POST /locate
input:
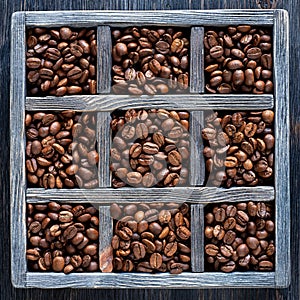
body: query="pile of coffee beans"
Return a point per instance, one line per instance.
(151, 237)
(60, 150)
(62, 238)
(61, 61)
(238, 59)
(150, 60)
(150, 148)
(239, 148)
(240, 237)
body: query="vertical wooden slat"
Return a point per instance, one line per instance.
(104, 141)
(197, 60)
(104, 59)
(197, 163)
(282, 162)
(197, 238)
(106, 233)
(17, 152)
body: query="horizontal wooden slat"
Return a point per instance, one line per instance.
(125, 195)
(188, 102)
(139, 280)
(170, 18)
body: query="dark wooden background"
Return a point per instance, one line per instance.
(7, 292)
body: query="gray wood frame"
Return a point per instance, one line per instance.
(104, 103)
(177, 194)
(186, 102)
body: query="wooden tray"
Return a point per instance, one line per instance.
(196, 102)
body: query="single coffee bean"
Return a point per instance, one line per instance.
(228, 267)
(252, 242)
(58, 264)
(155, 261)
(174, 158)
(139, 250)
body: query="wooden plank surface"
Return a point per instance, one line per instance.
(127, 195)
(174, 18)
(130, 280)
(7, 292)
(187, 101)
(197, 60)
(106, 233)
(103, 59)
(197, 165)
(17, 163)
(282, 162)
(197, 237)
(103, 132)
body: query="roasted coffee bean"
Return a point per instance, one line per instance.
(58, 63)
(220, 215)
(139, 250)
(228, 267)
(235, 60)
(70, 232)
(58, 264)
(150, 148)
(155, 261)
(244, 244)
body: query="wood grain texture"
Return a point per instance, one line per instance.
(173, 18)
(103, 59)
(17, 162)
(8, 292)
(127, 195)
(106, 233)
(170, 101)
(197, 164)
(282, 150)
(131, 280)
(293, 291)
(104, 141)
(197, 60)
(197, 237)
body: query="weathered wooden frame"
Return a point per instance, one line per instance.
(104, 103)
